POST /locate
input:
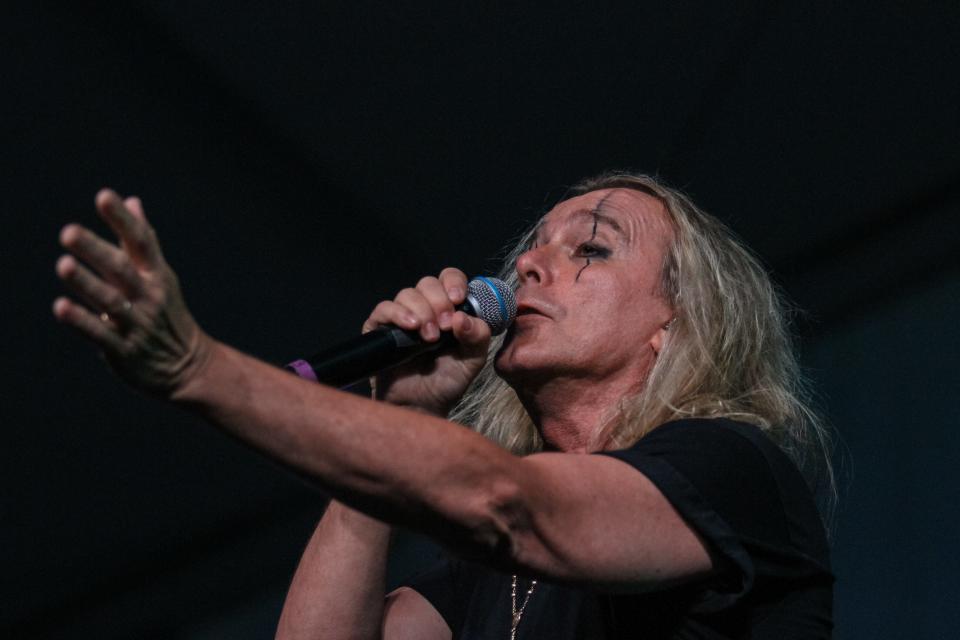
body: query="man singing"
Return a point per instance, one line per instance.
(631, 466)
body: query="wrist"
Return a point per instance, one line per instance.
(192, 377)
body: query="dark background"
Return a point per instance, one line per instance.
(302, 161)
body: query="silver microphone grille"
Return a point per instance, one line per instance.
(493, 301)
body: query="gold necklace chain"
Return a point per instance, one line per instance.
(515, 620)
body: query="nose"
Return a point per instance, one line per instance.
(532, 265)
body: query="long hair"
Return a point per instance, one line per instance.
(728, 351)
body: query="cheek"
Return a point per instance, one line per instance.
(617, 316)
(598, 323)
(601, 303)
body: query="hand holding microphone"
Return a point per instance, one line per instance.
(440, 315)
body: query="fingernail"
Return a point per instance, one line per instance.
(445, 319)
(455, 293)
(430, 331)
(409, 319)
(467, 323)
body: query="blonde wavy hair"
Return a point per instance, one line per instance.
(729, 351)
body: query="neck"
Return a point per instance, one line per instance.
(571, 413)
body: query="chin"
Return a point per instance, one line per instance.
(521, 364)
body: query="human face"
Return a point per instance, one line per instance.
(588, 301)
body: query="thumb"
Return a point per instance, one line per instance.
(473, 334)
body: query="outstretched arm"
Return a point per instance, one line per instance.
(577, 518)
(542, 515)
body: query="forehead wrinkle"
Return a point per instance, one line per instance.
(592, 215)
(643, 219)
(601, 214)
(598, 213)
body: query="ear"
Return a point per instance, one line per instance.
(660, 336)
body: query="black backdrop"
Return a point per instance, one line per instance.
(302, 161)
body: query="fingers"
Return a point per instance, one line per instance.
(472, 333)
(390, 312)
(454, 282)
(88, 324)
(127, 220)
(92, 290)
(429, 307)
(107, 289)
(111, 262)
(439, 300)
(414, 301)
(135, 207)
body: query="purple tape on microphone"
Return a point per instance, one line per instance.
(303, 369)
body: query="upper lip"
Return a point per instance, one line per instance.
(525, 306)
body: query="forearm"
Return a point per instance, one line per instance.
(398, 465)
(338, 589)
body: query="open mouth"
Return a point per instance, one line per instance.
(527, 311)
(529, 314)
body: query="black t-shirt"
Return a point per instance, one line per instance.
(735, 488)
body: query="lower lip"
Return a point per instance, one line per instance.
(530, 316)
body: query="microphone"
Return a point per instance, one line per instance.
(489, 299)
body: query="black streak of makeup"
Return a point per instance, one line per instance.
(593, 236)
(577, 279)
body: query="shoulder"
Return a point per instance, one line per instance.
(717, 446)
(699, 432)
(732, 470)
(742, 494)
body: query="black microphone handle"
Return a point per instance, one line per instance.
(489, 299)
(365, 355)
